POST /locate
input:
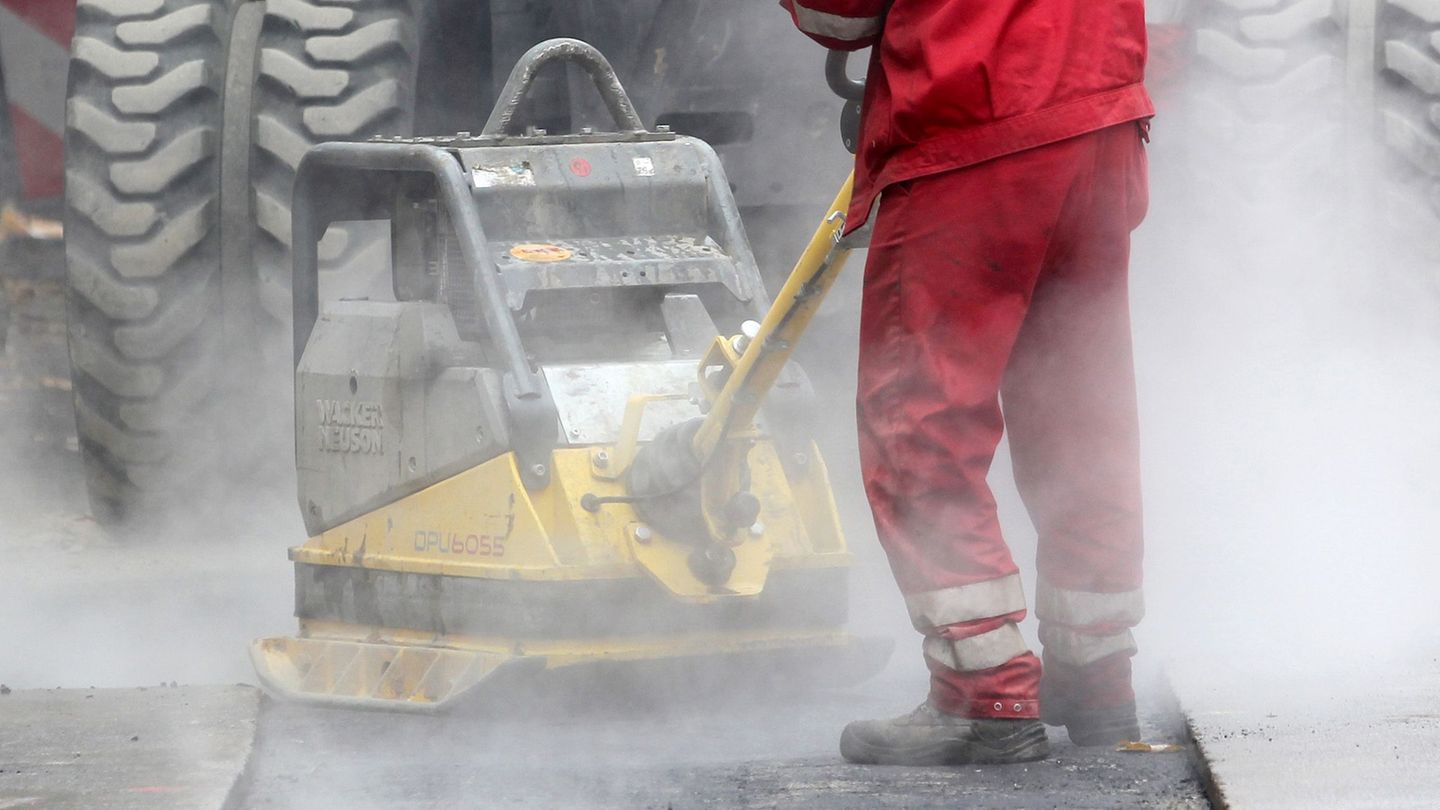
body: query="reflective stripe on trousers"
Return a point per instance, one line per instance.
(1088, 608)
(966, 603)
(1082, 627)
(1081, 649)
(983, 651)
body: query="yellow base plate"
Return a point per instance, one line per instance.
(355, 668)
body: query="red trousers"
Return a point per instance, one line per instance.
(996, 299)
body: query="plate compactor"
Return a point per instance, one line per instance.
(543, 456)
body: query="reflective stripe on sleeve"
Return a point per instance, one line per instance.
(834, 26)
(978, 652)
(966, 603)
(1080, 649)
(1084, 608)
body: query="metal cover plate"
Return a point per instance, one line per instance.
(665, 260)
(591, 398)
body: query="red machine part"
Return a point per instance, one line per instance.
(34, 52)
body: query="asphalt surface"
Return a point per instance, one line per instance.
(153, 748)
(769, 752)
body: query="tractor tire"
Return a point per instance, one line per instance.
(142, 220)
(1408, 107)
(1265, 105)
(326, 71)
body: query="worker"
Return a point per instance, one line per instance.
(1005, 142)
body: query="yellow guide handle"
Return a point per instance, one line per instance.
(770, 349)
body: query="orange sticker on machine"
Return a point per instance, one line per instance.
(537, 252)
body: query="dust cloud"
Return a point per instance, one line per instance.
(158, 601)
(1287, 329)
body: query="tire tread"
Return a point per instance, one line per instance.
(142, 239)
(329, 71)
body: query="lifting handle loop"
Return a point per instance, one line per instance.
(839, 80)
(502, 118)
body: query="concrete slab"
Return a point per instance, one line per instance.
(1317, 744)
(74, 749)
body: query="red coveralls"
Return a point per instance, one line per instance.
(1003, 135)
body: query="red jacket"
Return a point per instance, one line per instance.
(957, 82)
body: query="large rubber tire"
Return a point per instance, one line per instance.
(1409, 116)
(327, 71)
(142, 142)
(1265, 104)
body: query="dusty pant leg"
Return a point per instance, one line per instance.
(1069, 402)
(952, 265)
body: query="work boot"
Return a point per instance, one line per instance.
(1105, 726)
(1063, 702)
(928, 736)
